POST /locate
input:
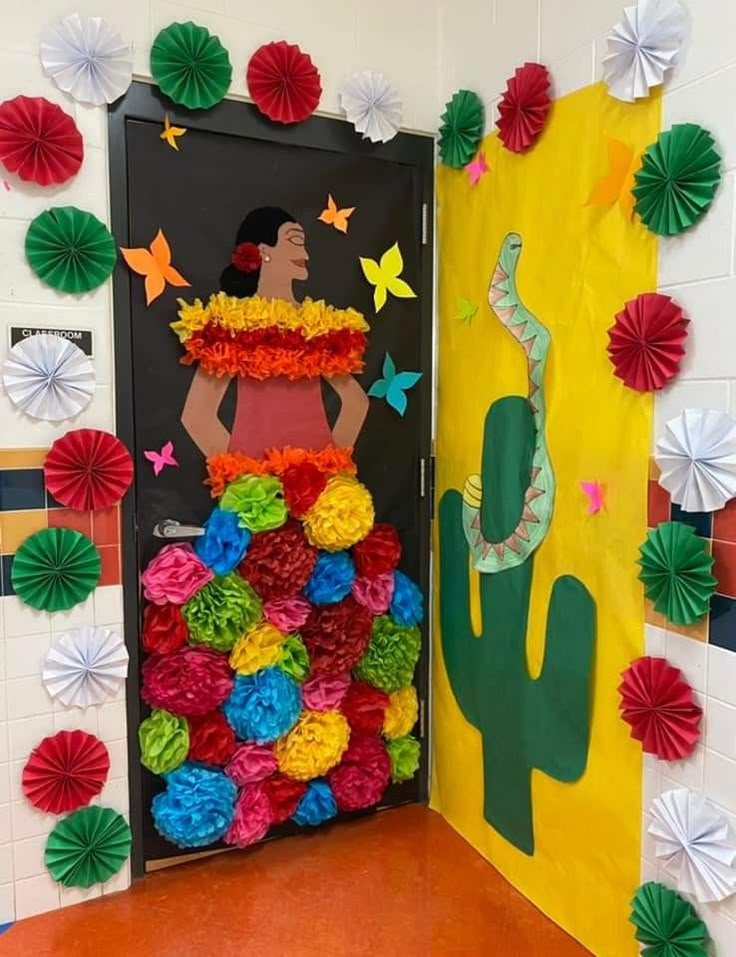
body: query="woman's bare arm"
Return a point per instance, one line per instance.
(199, 415)
(353, 409)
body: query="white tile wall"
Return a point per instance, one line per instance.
(402, 39)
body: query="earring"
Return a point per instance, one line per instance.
(267, 259)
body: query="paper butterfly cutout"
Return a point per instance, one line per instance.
(393, 386)
(385, 277)
(616, 186)
(466, 310)
(155, 265)
(170, 133)
(477, 168)
(594, 491)
(336, 217)
(161, 459)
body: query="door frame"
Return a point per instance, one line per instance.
(144, 101)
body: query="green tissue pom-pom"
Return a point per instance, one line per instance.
(392, 655)
(164, 741)
(258, 501)
(404, 754)
(294, 660)
(222, 612)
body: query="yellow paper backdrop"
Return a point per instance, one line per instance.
(578, 266)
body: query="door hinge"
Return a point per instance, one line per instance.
(432, 479)
(425, 224)
(421, 718)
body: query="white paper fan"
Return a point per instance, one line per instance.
(85, 666)
(643, 47)
(693, 841)
(372, 105)
(87, 59)
(697, 459)
(48, 377)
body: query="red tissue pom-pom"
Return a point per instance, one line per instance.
(211, 739)
(378, 552)
(65, 771)
(88, 469)
(284, 794)
(188, 681)
(524, 107)
(660, 707)
(247, 257)
(303, 485)
(364, 707)
(336, 636)
(283, 82)
(362, 776)
(278, 563)
(39, 141)
(164, 629)
(646, 343)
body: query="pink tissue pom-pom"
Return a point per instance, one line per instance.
(175, 575)
(375, 594)
(251, 763)
(287, 614)
(253, 817)
(325, 692)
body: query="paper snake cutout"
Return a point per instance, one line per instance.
(534, 338)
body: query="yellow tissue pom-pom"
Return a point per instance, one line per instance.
(341, 516)
(402, 712)
(258, 648)
(315, 744)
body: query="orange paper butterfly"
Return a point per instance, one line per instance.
(155, 265)
(334, 216)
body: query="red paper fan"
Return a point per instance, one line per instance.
(39, 141)
(65, 771)
(659, 705)
(88, 469)
(646, 341)
(283, 82)
(524, 107)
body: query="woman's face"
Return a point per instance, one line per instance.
(288, 258)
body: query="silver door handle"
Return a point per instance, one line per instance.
(170, 528)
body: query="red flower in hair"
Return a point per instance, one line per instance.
(247, 257)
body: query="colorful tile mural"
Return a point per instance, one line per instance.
(26, 507)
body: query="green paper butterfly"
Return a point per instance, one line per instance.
(466, 310)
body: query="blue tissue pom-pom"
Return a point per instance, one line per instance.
(317, 805)
(263, 706)
(407, 604)
(196, 808)
(331, 579)
(224, 542)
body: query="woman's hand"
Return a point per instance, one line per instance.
(200, 413)
(353, 410)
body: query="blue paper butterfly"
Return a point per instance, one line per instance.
(393, 385)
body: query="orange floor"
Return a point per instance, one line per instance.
(398, 884)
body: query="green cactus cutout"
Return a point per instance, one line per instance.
(524, 723)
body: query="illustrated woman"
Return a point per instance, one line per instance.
(277, 348)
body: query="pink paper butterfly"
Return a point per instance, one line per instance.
(594, 491)
(162, 458)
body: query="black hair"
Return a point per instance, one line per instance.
(259, 226)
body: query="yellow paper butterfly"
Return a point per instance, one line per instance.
(385, 277)
(334, 216)
(170, 133)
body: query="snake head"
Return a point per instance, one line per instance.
(510, 252)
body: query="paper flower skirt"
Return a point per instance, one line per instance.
(281, 649)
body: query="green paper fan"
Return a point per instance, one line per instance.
(55, 569)
(675, 570)
(677, 180)
(190, 65)
(667, 924)
(70, 250)
(88, 847)
(461, 129)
